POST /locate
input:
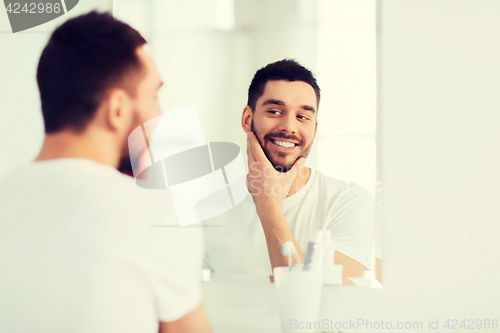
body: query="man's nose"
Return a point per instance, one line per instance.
(288, 124)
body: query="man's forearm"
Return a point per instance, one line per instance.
(193, 322)
(278, 232)
(261, 178)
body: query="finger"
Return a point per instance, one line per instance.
(257, 151)
(251, 157)
(297, 166)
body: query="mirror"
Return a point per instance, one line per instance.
(207, 53)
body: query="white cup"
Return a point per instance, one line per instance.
(298, 297)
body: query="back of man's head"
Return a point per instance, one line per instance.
(286, 69)
(84, 58)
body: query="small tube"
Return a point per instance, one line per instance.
(315, 253)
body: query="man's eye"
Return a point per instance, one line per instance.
(274, 112)
(302, 117)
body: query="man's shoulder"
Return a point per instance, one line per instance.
(70, 176)
(83, 188)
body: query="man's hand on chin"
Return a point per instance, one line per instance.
(268, 186)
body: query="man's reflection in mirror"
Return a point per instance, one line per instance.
(288, 201)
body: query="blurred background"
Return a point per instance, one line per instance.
(437, 132)
(207, 52)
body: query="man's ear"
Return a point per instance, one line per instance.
(315, 128)
(246, 119)
(117, 106)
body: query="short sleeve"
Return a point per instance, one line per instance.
(175, 280)
(167, 256)
(352, 224)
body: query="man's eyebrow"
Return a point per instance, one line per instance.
(278, 102)
(308, 108)
(273, 101)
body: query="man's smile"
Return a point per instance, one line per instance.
(283, 145)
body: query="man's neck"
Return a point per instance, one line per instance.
(89, 145)
(299, 181)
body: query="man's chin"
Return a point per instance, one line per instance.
(282, 161)
(282, 169)
(282, 166)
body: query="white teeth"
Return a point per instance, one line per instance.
(284, 144)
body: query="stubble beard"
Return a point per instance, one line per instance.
(280, 167)
(125, 163)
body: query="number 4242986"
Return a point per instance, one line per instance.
(33, 8)
(471, 324)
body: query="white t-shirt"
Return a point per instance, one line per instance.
(83, 249)
(235, 242)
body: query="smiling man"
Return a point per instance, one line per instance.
(283, 146)
(287, 201)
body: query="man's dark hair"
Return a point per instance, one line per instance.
(286, 69)
(84, 58)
